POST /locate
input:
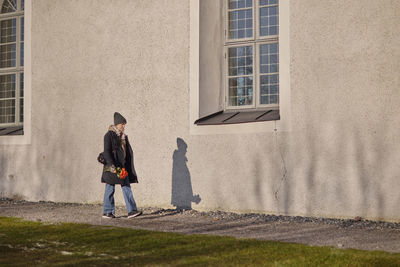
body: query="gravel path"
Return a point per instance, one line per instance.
(357, 233)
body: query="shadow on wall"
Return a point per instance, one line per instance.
(182, 192)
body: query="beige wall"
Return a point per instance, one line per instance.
(344, 90)
(91, 58)
(211, 47)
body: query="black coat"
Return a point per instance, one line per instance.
(114, 155)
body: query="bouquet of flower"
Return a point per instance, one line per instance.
(121, 173)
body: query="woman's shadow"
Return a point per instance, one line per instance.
(182, 192)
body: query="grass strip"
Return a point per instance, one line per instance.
(26, 243)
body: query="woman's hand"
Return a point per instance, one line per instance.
(113, 170)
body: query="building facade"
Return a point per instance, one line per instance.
(283, 107)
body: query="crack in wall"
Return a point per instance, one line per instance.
(283, 165)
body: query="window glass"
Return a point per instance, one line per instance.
(9, 6)
(7, 55)
(269, 79)
(244, 81)
(22, 42)
(7, 86)
(21, 85)
(12, 58)
(268, 2)
(8, 31)
(240, 16)
(21, 110)
(240, 75)
(21, 102)
(7, 111)
(269, 17)
(8, 43)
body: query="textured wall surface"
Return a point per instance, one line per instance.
(211, 43)
(91, 58)
(345, 92)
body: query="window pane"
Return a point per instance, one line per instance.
(240, 22)
(234, 4)
(21, 85)
(22, 41)
(7, 43)
(269, 89)
(269, 18)
(22, 55)
(7, 111)
(240, 60)
(269, 77)
(269, 58)
(268, 2)
(241, 91)
(7, 86)
(23, 5)
(240, 64)
(22, 28)
(8, 31)
(7, 55)
(21, 110)
(9, 6)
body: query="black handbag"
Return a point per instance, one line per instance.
(101, 159)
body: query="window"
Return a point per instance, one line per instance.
(252, 54)
(256, 34)
(12, 66)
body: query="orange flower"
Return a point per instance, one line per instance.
(123, 174)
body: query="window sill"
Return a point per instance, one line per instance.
(13, 130)
(15, 135)
(223, 118)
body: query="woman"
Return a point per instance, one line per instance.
(118, 153)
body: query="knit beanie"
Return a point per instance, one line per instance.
(118, 118)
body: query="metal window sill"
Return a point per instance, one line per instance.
(226, 117)
(13, 130)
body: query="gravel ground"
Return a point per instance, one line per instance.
(356, 233)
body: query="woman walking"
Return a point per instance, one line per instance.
(118, 155)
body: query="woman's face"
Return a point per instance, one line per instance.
(120, 126)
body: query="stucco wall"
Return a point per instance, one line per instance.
(344, 90)
(91, 58)
(211, 45)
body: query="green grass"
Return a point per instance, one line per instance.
(25, 243)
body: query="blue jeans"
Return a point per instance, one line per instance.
(109, 204)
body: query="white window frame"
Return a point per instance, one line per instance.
(24, 139)
(18, 69)
(256, 41)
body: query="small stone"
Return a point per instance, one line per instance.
(66, 253)
(340, 245)
(39, 245)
